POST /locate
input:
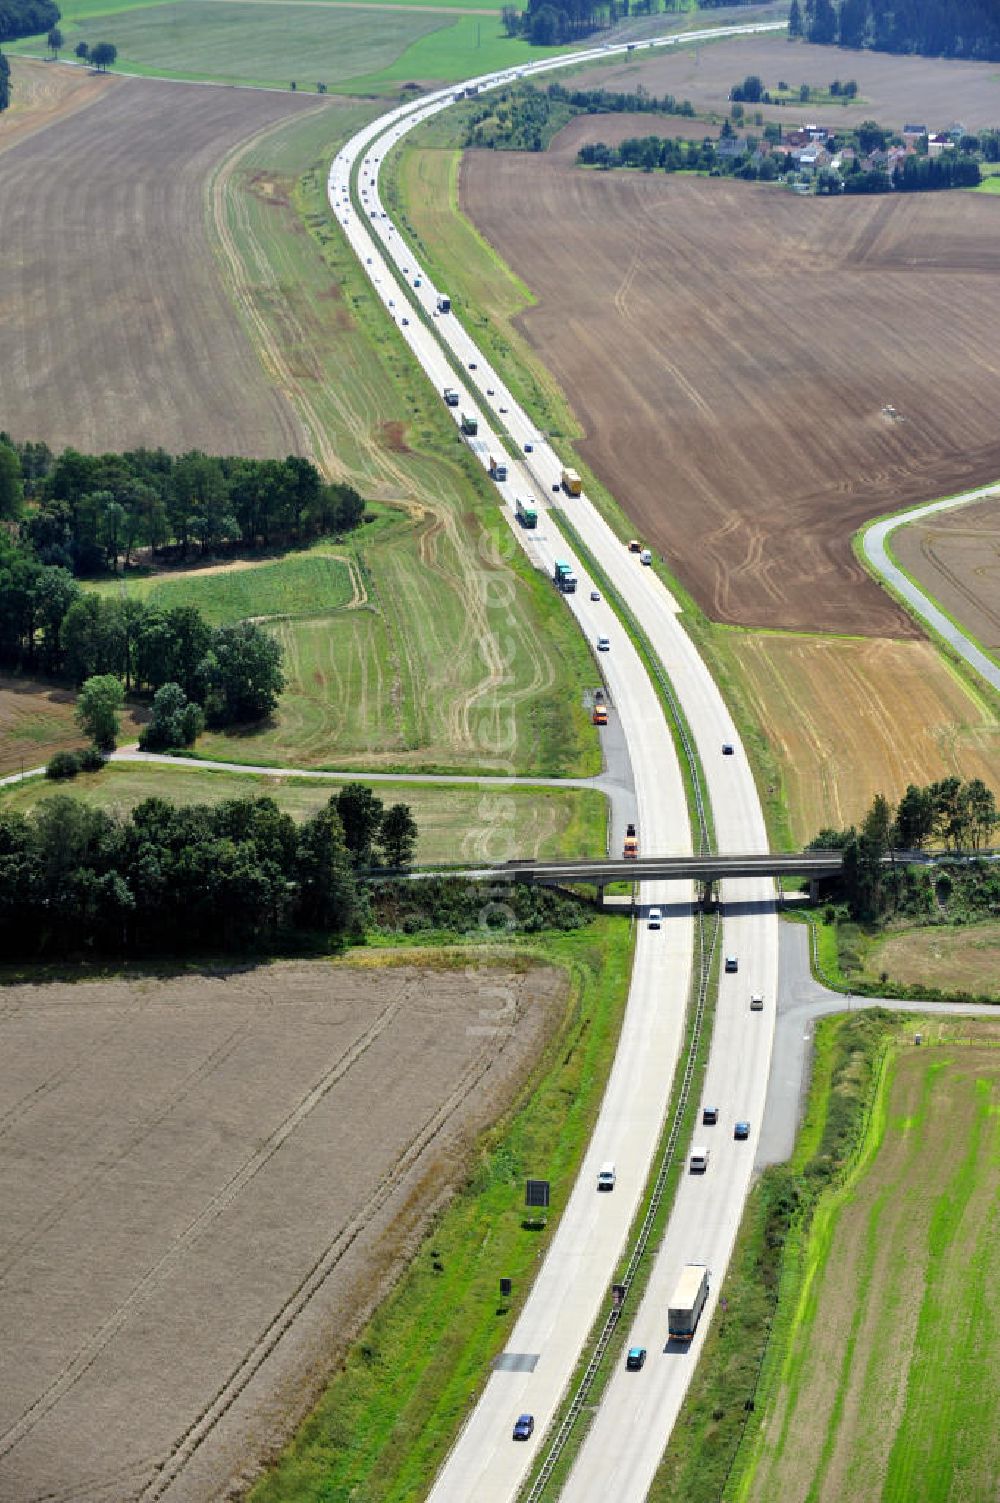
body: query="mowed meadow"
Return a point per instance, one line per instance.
(887, 1392)
(427, 642)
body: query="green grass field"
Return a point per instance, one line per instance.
(884, 1392)
(256, 43)
(457, 822)
(360, 49)
(462, 657)
(303, 584)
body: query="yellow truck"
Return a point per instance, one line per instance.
(571, 483)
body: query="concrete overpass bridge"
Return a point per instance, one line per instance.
(705, 870)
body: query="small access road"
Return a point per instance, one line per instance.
(875, 544)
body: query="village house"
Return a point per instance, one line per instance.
(937, 145)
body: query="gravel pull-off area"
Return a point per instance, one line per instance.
(207, 1181)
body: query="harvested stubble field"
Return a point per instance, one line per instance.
(887, 1391)
(892, 90)
(730, 351)
(116, 328)
(846, 718)
(457, 821)
(207, 1181)
(955, 557)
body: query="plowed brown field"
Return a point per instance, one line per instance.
(848, 718)
(932, 91)
(955, 556)
(115, 327)
(729, 351)
(206, 1183)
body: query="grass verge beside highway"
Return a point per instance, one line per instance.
(783, 1336)
(386, 1420)
(883, 1337)
(492, 679)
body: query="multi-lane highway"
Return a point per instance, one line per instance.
(635, 1418)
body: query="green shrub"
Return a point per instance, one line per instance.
(65, 764)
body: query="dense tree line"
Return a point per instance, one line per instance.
(49, 624)
(25, 18)
(90, 512)
(934, 28)
(526, 118)
(958, 816)
(163, 880)
(4, 82)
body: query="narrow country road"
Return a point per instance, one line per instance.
(875, 542)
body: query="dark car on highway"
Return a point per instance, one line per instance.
(523, 1426)
(636, 1357)
(741, 1131)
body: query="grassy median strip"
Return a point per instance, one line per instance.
(387, 1418)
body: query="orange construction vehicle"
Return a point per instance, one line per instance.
(630, 851)
(600, 715)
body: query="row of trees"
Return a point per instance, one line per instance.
(960, 816)
(174, 880)
(90, 512)
(753, 90)
(671, 154)
(934, 28)
(4, 82)
(49, 624)
(26, 18)
(917, 175)
(609, 102)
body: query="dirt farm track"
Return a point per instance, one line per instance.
(115, 326)
(206, 1182)
(757, 374)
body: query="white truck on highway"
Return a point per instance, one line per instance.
(451, 396)
(688, 1302)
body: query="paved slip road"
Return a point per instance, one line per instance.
(875, 541)
(802, 1000)
(485, 1464)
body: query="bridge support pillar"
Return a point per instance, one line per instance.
(600, 894)
(707, 895)
(814, 889)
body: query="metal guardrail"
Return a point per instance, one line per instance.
(707, 950)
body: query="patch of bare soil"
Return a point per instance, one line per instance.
(207, 1182)
(731, 350)
(955, 556)
(115, 326)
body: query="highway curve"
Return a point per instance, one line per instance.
(632, 1428)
